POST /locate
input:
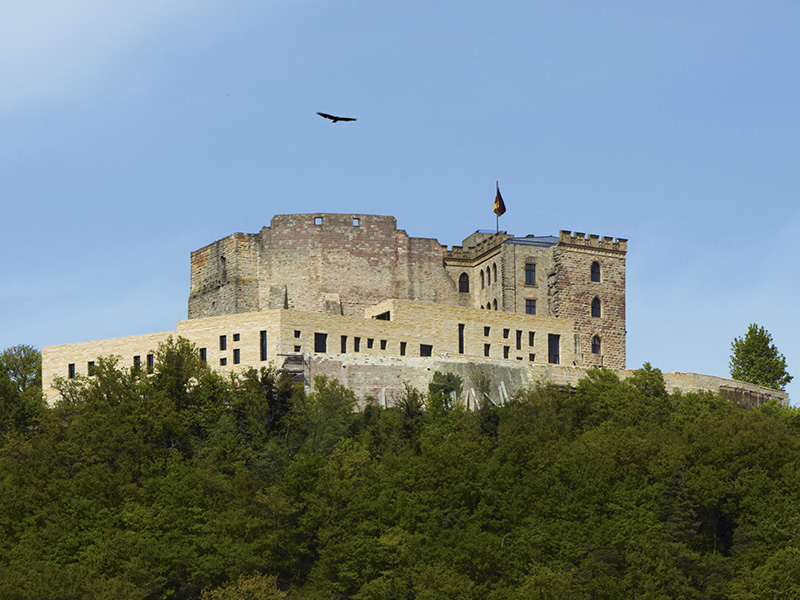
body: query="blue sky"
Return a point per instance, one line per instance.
(134, 133)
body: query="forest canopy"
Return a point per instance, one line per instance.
(187, 484)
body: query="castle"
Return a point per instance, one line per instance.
(353, 297)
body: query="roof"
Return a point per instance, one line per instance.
(534, 240)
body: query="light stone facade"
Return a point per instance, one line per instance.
(352, 297)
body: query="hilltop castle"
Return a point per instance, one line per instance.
(353, 297)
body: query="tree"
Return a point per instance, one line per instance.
(755, 359)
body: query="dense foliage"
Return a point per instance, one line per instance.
(755, 359)
(183, 484)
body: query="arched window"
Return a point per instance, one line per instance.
(495, 304)
(494, 272)
(483, 280)
(596, 271)
(488, 276)
(596, 307)
(463, 283)
(595, 345)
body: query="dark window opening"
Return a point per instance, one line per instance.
(531, 335)
(90, 368)
(553, 348)
(463, 283)
(235, 337)
(486, 349)
(137, 362)
(425, 350)
(506, 350)
(596, 345)
(263, 344)
(370, 341)
(483, 280)
(223, 362)
(530, 274)
(596, 271)
(383, 344)
(488, 276)
(494, 272)
(505, 333)
(223, 342)
(495, 304)
(531, 357)
(386, 316)
(151, 363)
(297, 333)
(297, 348)
(461, 338)
(344, 344)
(237, 356)
(530, 307)
(71, 371)
(519, 339)
(596, 307)
(203, 355)
(321, 342)
(486, 331)
(356, 344)
(402, 348)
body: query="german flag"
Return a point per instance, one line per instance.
(499, 205)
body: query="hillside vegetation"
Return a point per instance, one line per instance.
(183, 484)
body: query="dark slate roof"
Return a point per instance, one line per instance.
(534, 240)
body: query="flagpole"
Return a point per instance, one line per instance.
(496, 216)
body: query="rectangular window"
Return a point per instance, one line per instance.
(297, 348)
(151, 363)
(137, 362)
(425, 350)
(223, 342)
(506, 350)
(519, 339)
(370, 342)
(223, 362)
(505, 333)
(235, 337)
(356, 344)
(344, 344)
(531, 335)
(297, 333)
(321, 342)
(203, 355)
(356, 222)
(486, 331)
(530, 274)
(90, 368)
(531, 357)
(262, 344)
(317, 220)
(530, 306)
(402, 348)
(383, 344)
(486, 349)
(237, 357)
(553, 348)
(71, 371)
(461, 338)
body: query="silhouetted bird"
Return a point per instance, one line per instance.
(335, 118)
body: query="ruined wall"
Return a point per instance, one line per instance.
(572, 291)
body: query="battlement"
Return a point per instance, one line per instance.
(486, 243)
(592, 241)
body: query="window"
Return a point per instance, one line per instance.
(486, 331)
(531, 335)
(519, 339)
(383, 344)
(506, 350)
(461, 338)
(317, 220)
(223, 342)
(356, 344)
(463, 283)
(137, 362)
(402, 348)
(297, 333)
(486, 349)
(425, 350)
(370, 342)
(344, 344)
(488, 276)
(71, 371)
(483, 280)
(530, 306)
(321, 342)
(297, 349)
(495, 304)
(596, 307)
(531, 357)
(356, 221)
(203, 355)
(494, 272)
(237, 357)
(223, 362)
(235, 337)
(263, 344)
(151, 363)
(595, 345)
(596, 271)
(530, 273)
(553, 350)
(505, 333)
(90, 368)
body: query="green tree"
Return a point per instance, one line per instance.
(755, 359)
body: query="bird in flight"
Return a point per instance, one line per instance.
(334, 118)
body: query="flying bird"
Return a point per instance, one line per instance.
(334, 118)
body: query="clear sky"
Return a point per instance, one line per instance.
(135, 132)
